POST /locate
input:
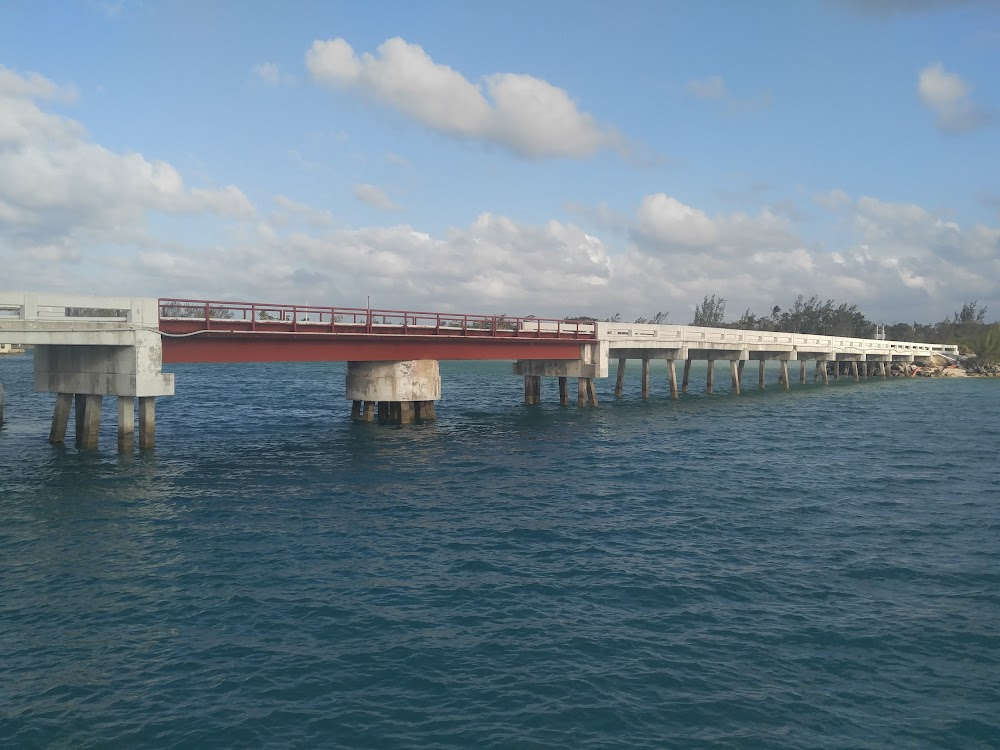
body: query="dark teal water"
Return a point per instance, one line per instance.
(811, 569)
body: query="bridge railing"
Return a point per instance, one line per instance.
(267, 317)
(693, 335)
(55, 307)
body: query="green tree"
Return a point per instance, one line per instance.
(711, 313)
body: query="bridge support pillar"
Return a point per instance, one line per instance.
(126, 423)
(532, 389)
(60, 418)
(761, 373)
(645, 377)
(710, 377)
(881, 367)
(734, 369)
(1, 404)
(784, 373)
(672, 376)
(91, 422)
(854, 370)
(620, 379)
(401, 390)
(687, 376)
(147, 423)
(802, 372)
(563, 391)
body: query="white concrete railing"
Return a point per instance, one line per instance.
(691, 336)
(49, 308)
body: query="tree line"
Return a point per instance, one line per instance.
(966, 327)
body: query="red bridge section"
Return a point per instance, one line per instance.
(212, 331)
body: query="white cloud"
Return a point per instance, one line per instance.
(60, 190)
(712, 87)
(525, 114)
(664, 224)
(268, 72)
(947, 96)
(374, 197)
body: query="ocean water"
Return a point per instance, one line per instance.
(818, 568)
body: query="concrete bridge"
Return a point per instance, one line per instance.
(86, 348)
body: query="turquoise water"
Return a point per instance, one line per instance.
(810, 569)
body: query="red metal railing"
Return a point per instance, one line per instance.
(266, 317)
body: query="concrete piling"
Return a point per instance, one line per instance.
(881, 366)
(802, 372)
(672, 376)
(854, 370)
(91, 421)
(710, 376)
(147, 422)
(761, 374)
(563, 391)
(126, 424)
(784, 374)
(60, 418)
(816, 373)
(645, 377)
(620, 380)
(581, 392)
(591, 392)
(1, 404)
(687, 376)
(734, 369)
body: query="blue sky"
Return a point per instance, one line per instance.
(550, 158)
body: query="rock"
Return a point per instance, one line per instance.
(953, 372)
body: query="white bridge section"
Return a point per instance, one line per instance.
(100, 346)
(642, 341)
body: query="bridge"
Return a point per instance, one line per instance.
(86, 348)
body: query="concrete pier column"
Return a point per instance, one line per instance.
(147, 423)
(739, 371)
(836, 370)
(396, 386)
(816, 373)
(60, 418)
(591, 392)
(529, 392)
(537, 388)
(645, 377)
(784, 374)
(687, 376)
(1, 404)
(761, 373)
(802, 372)
(581, 392)
(854, 370)
(406, 412)
(356, 406)
(80, 406)
(563, 391)
(425, 410)
(620, 380)
(881, 367)
(672, 376)
(864, 370)
(734, 368)
(91, 422)
(126, 424)
(825, 374)
(710, 377)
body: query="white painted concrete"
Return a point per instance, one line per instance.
(115, 355)
(410, 380)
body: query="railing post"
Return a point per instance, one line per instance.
(437, 323)
(406, 319)
(207, 317)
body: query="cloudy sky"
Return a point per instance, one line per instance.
(550, 158)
